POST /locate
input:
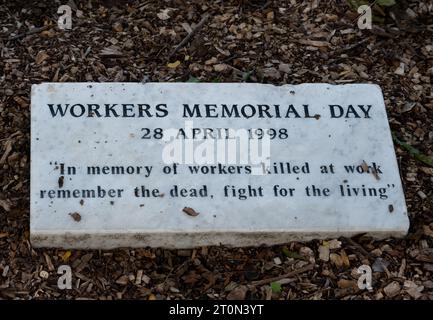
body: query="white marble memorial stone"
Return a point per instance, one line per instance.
(181, 165)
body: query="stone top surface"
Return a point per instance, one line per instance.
(331, 168)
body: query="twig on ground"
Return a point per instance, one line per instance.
(413, 151)
(31, 31)
(283, 276)
(358, 246)
(352, 46)
(190, 35)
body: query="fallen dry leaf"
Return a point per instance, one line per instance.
(21, 101)
(314, 43)
(66, 255)
(41, 57)
(5, 205)
(163, 14)
(392, 289)
(173, 65)
(190, 211)
(76, 216)
(238, 293)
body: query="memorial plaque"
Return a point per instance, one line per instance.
(182, 165)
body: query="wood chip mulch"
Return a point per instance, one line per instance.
(245, 40)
